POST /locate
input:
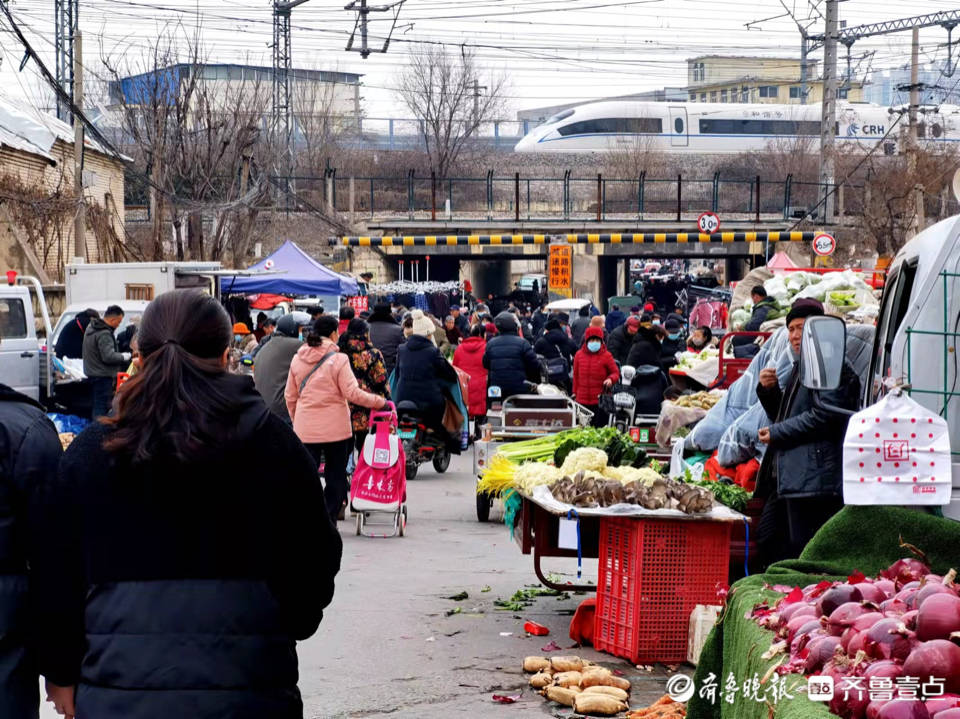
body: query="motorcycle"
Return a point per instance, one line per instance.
(420, 444)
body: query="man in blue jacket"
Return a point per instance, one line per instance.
(509, 359)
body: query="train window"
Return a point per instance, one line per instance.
(936, 130)
(759, 127)
(795, 93)
(678, 125)
(558, 117)
(921, 130)
(842, 94)
(614, 125)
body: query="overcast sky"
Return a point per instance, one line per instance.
(553, 51)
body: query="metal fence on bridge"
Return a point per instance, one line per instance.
(567, 198)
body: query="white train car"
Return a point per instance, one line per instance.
(716, 128)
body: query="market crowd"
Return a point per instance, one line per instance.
(159, 567)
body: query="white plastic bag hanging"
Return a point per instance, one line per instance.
(896, 452)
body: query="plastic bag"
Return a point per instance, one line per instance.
(740, 442)
(897, 452)
(742, 394)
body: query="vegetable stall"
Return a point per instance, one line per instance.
(593, 493)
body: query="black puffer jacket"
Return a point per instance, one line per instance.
(619, 343)
(806, 442)
(29, 454)
(180, 590)
(555, 343)
(421, 374)
(387, 336)
(646, 349)
(510, 362)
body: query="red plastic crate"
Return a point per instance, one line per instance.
(652, 574)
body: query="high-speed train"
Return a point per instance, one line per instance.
(718, 128)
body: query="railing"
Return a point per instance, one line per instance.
(565, 198)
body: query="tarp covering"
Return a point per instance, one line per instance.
(301, 275)
(781, 261)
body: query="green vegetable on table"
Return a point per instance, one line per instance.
(732, 495)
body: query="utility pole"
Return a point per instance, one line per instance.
(828, 124)
(80, 221)
(363, 12)
(477, 87)
(917, 191)
(66, 21)
(282, 110)
(804, 51)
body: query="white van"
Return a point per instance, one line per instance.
(917, 333)
(19, 350)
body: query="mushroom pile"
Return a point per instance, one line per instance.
(583, 490)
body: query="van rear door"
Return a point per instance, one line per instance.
(19, 353)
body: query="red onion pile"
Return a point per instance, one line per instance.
(891, 644)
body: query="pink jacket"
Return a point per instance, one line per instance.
(322, 412)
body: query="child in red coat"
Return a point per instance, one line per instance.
(594, 370)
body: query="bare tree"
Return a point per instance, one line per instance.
(198, 139)
(886, 206)
(441, 90)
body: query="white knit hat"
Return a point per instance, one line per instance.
(422, 325)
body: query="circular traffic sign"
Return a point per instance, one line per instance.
(708, 222)
(824, 244)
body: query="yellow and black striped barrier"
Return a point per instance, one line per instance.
(625, 238)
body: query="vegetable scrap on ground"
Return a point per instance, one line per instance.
(577, 683)
(878, 638)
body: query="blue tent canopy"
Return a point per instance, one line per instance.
(301, 275)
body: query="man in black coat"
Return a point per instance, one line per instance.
(29, 454)
(509, 359)
(621, 339)
(615, 318)
(646, 348)
(802, 472)
(70, 342)
(385, 334)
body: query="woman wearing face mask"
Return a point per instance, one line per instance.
(594, 371)
(671, 344)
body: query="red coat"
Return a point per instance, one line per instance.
(590, 369)
(469, 357)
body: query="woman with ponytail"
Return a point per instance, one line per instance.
(168, 571)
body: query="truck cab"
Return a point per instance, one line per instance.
(19, 350)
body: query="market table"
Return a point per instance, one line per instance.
(537, 530)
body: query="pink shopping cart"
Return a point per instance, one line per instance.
(379, 483)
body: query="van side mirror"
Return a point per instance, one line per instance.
(822, 352)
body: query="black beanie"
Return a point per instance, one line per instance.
(806, 307)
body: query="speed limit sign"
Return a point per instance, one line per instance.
(824, 244)
(708, 223)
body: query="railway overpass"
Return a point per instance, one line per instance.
(600, 255)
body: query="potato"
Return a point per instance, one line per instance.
(535, 664)
(567, 664)
(600, 680)
(597, 704)
(568, 679)
(562, 695)
(609, 691)
(541, 680)
(595, 676)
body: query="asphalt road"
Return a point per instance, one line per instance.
(386, 646)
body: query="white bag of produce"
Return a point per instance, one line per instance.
(896, 452)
